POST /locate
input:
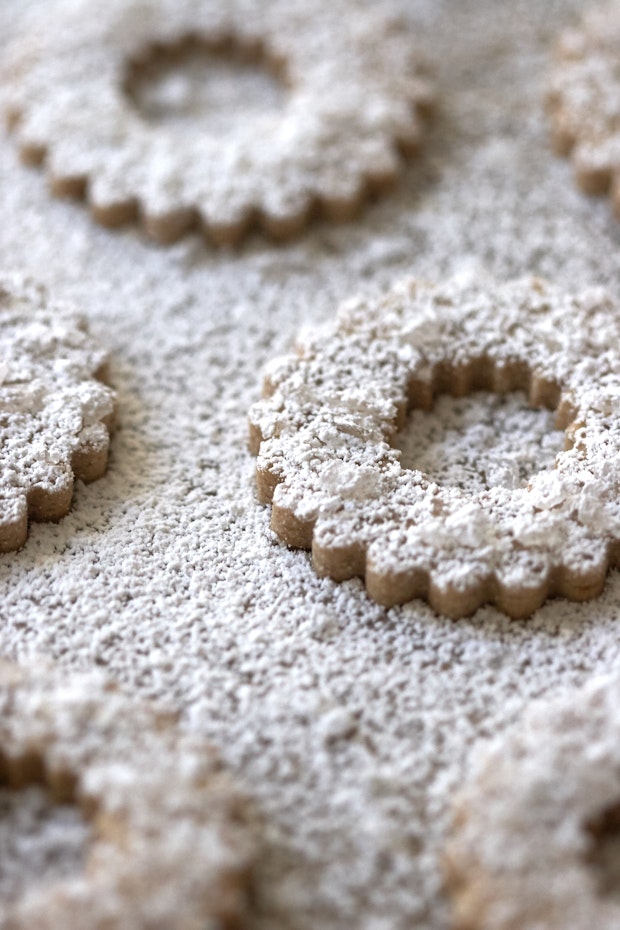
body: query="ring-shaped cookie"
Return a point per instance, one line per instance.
(354, 101)
(322, 434)
(583, 100)
(55, 411)
(171, 846)
(527, 849)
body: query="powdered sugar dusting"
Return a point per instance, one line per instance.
(165, 572)
(480, 441)
(36, 835)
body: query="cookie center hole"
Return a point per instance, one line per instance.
(604, 853)
(480, 441)
(196, 87)
(40, 842)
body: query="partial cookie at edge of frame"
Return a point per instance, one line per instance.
(172, 842)
(55, 410)
(582, 98)
(522, 854)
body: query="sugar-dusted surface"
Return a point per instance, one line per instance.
(36, 835)
(480, 441)
(352, 726)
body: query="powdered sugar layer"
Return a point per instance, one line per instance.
(54, 410)
(166, 572)
(584, 99)
(324, 457)
(170, 846)
(480, 440)
(524, 824)
(355, 96)
(40, 837)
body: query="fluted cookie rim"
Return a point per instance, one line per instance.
(31, 316)
(303, 434)
(378, 109)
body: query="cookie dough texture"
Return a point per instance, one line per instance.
(323, 437)
(55, 410)
(526, 826)
(355, 96)
(584, 100)
(171, 845)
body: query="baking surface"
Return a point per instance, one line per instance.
(349, 726)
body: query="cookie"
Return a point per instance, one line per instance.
(323, 435)
(171, 843)
(55, 410)
(583, 99)
(354, 98)
(535, 826)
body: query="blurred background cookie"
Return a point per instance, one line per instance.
(584, 100)
(327, 99)
(169, 843)
(536, 831)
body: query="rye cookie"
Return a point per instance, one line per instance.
(352, 100)
(325, 431)
(584, 100)
(56, 412)
(534, 843)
